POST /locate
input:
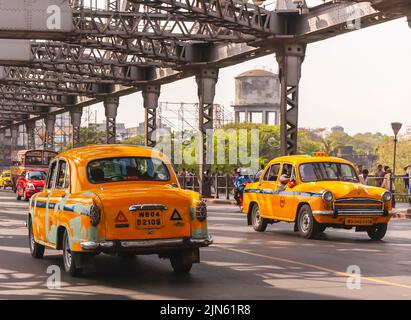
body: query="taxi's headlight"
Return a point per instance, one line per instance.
(327, 196)
(95, 215)
(30, 186)
(386, 196)
(201, 211)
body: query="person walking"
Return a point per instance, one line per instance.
(388, 184)
(364, 177)
(379, 175)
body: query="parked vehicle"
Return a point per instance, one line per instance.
(315, 192)
(119, 200)
(25, 160)
(29, 183)
(5, 180)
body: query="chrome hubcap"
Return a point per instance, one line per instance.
(67, 254)
(306, 222)
(257, 217)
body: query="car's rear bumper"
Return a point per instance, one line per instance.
(145, 246)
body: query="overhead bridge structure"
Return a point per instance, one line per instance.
(60, 56)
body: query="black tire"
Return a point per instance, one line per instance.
(307, 226)
(128, 256)
(69, 260)
(17, 195)
(321, 228)
(180, 267)
(378, 231)
(259, 223)
(36, 249)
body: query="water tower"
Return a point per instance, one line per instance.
(257, 97)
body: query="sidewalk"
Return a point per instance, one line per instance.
(402, 211)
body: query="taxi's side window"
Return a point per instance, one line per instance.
(272, 173)
(51, 175)
(62, 179)
(288, 170)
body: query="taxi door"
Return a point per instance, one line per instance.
(268, 190)
(55, 198)
(41, 205)
(285, 202)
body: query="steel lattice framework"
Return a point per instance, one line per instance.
(100, 53)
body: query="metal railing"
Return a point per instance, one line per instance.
(220, 186)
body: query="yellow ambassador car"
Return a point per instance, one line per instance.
(119, 200)
(315, 192)
(5, 180)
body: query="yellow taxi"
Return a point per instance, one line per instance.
(5, 179)
(315, 192)
(120, 200)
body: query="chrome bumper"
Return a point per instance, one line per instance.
(344, 213)
(146, 244)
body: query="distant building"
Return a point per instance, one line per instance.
(120, 129)
(337, 129)
(257, 97)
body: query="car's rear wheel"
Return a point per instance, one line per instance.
(307, 226)
(69, 258)
(36, 249)
(321, 228)
(180, 266)
(378, 231)
(259, 223)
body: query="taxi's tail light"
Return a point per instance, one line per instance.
(95, 214)
(201, 211)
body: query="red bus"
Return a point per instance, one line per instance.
(29, 159)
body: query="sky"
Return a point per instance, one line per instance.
(360, 80)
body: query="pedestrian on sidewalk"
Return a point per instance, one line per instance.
(379, 175)
(364, 177)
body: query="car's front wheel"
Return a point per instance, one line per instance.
(307, 226)
(378, 231)
(69, 258)
(18, 196)
(259, 223)
(36, 249)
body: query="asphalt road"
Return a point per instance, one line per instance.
(241, 264)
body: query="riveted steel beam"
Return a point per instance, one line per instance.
(151, 94)
(206, 82)
(111, 106)
(290, 59)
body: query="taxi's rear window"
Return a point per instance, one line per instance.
(127, 169)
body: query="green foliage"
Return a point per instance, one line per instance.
(137, 140)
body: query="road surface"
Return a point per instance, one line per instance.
(241, 264)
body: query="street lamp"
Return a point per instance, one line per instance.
(396, 127)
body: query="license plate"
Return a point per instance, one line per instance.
(149, 219)
(359, 221)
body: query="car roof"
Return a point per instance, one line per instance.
(101, 151)
(297, 159)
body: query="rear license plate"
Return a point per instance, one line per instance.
(149, 219)
(359, 221)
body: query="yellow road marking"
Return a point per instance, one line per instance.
(312, 266)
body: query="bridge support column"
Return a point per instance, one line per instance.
(111, 106)
(151, 94)
(31, 134)
(14, 137)
(50, 131)
(206, 83)
(290, 59)
(2, 146)
(75, 116)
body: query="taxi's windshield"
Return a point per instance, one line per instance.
(327, 171)
(127, 169)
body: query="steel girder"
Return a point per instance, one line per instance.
(35, 110)
(231, 14)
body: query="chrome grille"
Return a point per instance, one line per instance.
(358, 205)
